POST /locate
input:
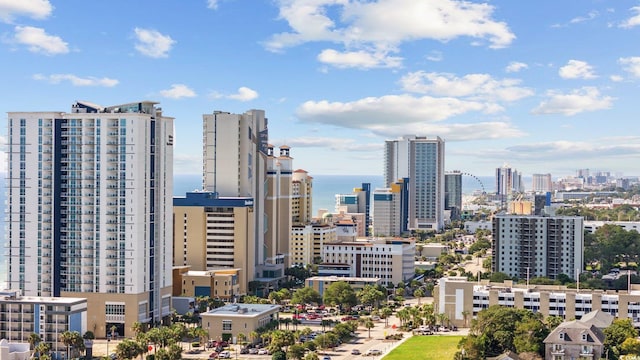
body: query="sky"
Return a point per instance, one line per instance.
(544, 86)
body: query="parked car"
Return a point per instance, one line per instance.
(347, 318)
(372, 352)
(355, 352)
(253, 351)
(263, 351)
(244, 350)
(225, 355)
(375, 318)
(213, 355)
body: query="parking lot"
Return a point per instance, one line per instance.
(360, 347)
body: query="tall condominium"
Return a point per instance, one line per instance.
(239, 162)
(453, 193)
(302, 199)
(278, 203)
(537, 246)
(89, 210)
(541, 183)
(390, 209)
(420, 159)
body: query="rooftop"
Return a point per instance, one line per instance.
(243, 309)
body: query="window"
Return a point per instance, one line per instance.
(226, 325)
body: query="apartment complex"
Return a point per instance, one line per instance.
(20, 316)
(212, 232)
(89, 206)
(526, 246)
(391, 260)
(307, 242)
(301, 197)
(461, 300)
(278, 205)
(391, 209)
(422, 161)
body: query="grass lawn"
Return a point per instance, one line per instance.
(430, 347)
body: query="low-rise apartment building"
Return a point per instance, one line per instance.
(461, 300)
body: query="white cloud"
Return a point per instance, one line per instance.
(38, 41)
(380, 112)
(178, 91)
(631, 65)
(575, 102)
(385, 24)
(576, 69)
(435, 56)
(212, 4)
(616, 78)
(243, 94)
(334, 143)
(473, 86)
(590, 16)
(36, 9)
(633, 20)
(516, 66)
(152, 43)
(76, 80)
(359, 59)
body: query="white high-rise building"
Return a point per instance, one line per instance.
(421, 160)
(89, 210)
(537, 246)
(541, 183)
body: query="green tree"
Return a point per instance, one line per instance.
(419, 293)
(630, 346)
(72, 339)
(619, 331)
(279, 355)
(306, 295)
(311, 356)
(296, 351)
(530, 335)
(33, 339)
(43, 349)
(385, 313)
(369, 324)
(340, 293)
(370, 295)
(129, 349)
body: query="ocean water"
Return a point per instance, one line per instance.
(325, 187)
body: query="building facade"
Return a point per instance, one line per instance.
(461, 300)
(20, 316)
(541, 183)
(391, 209)
(221, 284)
(358, 202)
(212, 232)
(302, 197)
(278, 206)
(537, 246)
(453, 193)
(391, 260)
(228, 321)
(422, 161)
(89, 206)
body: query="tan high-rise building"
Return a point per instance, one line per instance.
(212, 232)
(278, 206)
(301, 202)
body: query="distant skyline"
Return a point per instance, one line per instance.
(544, 86)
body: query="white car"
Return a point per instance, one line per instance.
(224, 355)
(373, 352)
(263, 351)
(375, 318)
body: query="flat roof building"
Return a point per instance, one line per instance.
(228, 321)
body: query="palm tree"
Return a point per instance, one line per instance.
(386, 313)
(253, 336)
(368, 323)
(419, 293)
(137, 328)
(33, 340)
(465, 316)
(67, 339)
(42, 349)
(242, 338)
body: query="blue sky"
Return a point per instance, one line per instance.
(543, 85)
